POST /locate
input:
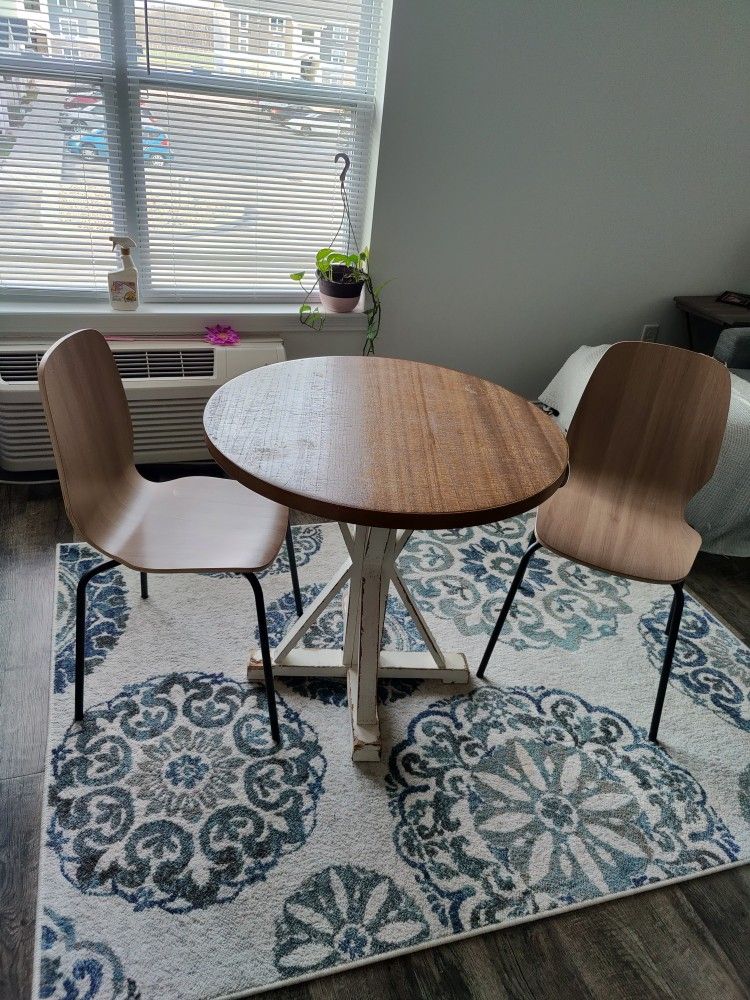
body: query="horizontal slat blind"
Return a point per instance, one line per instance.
(57, 207)
(207, 130)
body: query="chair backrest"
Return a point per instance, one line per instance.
(652, 417)
(90, 427)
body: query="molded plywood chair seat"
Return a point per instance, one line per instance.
(644, 439)
(195, 524)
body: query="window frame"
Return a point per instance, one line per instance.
(121, 80)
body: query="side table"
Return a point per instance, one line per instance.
(705, 318)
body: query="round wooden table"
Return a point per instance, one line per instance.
(388, 446)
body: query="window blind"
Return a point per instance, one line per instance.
(205, 129)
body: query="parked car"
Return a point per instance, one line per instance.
(318, 123)
(85, 119)
(93, 145)
(281, 113)
(81, 97)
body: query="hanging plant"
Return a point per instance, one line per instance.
(340, 277)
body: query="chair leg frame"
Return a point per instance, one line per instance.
(509, 597)
(293, 571)
(265, 649)
(80, 639)
(672, 630)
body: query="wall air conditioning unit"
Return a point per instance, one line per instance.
(167, 383)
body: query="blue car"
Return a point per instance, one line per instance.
(92, 145)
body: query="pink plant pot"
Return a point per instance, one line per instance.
(336, 305)
(339, 296)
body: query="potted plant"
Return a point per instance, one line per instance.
(340, 277)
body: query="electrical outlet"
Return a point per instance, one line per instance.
(650, 332)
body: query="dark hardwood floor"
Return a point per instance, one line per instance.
(690, 941)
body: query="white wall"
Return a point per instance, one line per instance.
(552, 173)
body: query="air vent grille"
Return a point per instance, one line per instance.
(168, 363)
(176, 426)
(164, 430)
(20, 366)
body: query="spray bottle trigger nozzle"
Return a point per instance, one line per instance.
(124, 243)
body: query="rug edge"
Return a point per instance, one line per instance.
(719, 618)
(476, 932)
(36, 967)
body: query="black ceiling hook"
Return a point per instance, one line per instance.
(347, 164)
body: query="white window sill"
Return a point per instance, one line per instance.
(27, 319)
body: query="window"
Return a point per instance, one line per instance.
(339, 32)
(171, 129)
(307, 36)
(69, 27)
(14, 35)
(338, 57)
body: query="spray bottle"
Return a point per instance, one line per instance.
(123, 284)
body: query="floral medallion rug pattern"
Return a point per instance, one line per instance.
(184, 855)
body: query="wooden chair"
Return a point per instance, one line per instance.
(196, 524)
(644, 439)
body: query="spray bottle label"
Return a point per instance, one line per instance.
(124, 291)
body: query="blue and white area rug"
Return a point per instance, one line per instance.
(185, 857)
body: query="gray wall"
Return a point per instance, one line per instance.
(552, 173)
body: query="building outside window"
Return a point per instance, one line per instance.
(69, 27)
(183, 151)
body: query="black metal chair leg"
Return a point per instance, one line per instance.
(144, 585)
(80, 636)
(293, 570)
(265, 649)
(675, 616)
(670, 616)
(516, 583)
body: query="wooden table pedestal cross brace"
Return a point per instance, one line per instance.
(369, 570)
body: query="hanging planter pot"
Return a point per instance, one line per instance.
(340, 288)
(341, 277)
